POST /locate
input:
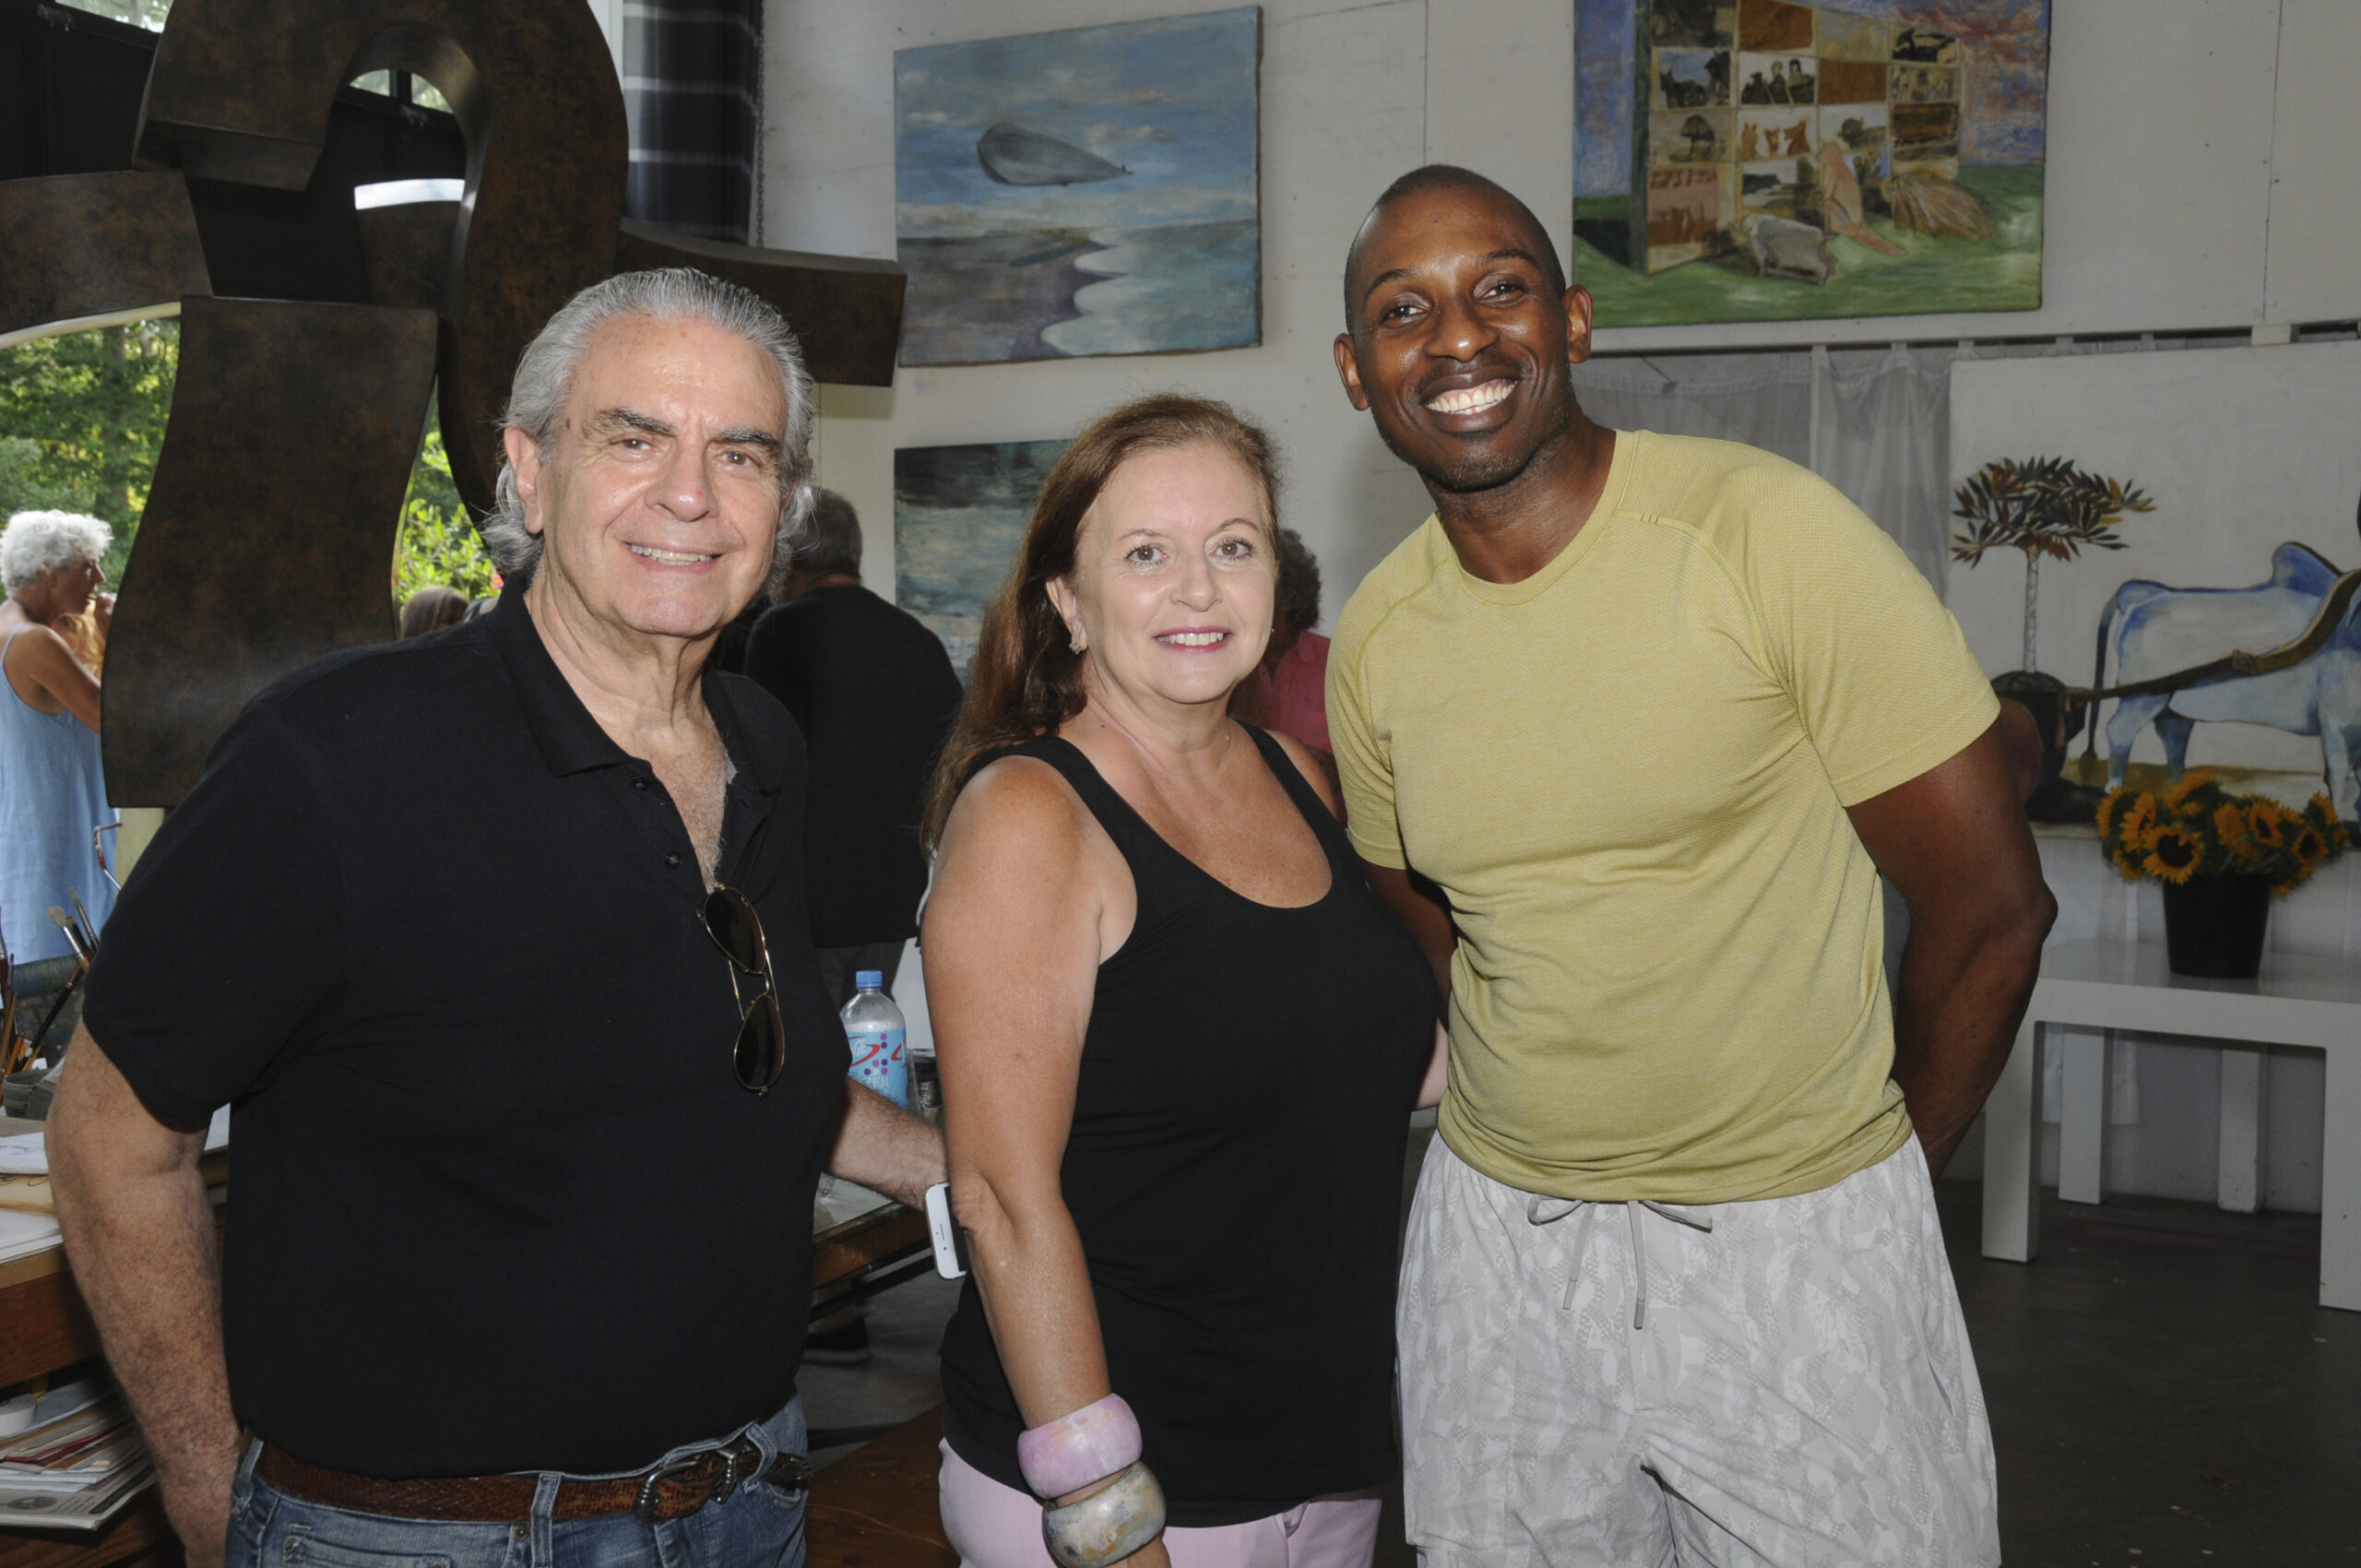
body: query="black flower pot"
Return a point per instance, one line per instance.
(2214, 924)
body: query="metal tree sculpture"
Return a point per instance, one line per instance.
(2042, 507)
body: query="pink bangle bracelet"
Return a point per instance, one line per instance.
(1079, 1447)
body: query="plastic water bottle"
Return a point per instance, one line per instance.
(875, 1032)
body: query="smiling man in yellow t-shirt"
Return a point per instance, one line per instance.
(1628, 730)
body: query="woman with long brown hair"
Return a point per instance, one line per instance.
(1179, 1040)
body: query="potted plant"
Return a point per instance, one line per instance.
(2220, 858)
(2053, 508)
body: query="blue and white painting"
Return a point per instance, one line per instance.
(1091, 191)
(959, 516)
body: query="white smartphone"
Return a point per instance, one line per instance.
(942, 1229)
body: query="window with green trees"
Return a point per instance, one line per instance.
(82, 420)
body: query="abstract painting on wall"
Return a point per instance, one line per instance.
(1090, 191)
(959, 515)
(2202, 551)
(1761, 160)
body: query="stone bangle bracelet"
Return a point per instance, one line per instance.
(1107, 1525)
(1079, 1447)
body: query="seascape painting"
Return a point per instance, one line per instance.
(1090, 191)
(2186, 525)
(1764, 161)
(959, 515)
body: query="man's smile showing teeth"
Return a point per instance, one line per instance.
(1471, 400)
(668, 557)
(1193, 639)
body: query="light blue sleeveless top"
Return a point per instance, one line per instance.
(50, 797)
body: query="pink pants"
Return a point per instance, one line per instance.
(998, 1526)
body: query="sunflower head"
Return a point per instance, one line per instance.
(2230, 826)
(2174, 854)
(2138, 819)
(2109, 806)
(2191, 783)
(2309, 845)
(2271, 823)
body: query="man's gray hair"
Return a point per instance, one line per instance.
(35, 542)
(829, 540)
(545, 378)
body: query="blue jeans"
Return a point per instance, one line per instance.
(761, 1523)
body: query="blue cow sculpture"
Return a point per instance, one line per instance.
(2157, 631)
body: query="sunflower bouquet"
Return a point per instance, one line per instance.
(2196, 825)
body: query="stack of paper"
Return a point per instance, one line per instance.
(80, 1461)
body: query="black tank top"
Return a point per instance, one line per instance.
(1234, 1172)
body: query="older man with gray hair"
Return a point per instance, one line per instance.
(526, 1158)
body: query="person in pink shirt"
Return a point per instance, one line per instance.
(1288, 691)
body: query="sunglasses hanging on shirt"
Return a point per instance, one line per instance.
(760, 1054)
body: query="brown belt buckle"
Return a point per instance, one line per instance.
(795, 1474)
(642, 1508)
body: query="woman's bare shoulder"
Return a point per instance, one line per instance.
(35, 651)
(1017, 798)
(1022, 855)
(1018, 824)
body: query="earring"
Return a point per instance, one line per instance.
(1074, 641)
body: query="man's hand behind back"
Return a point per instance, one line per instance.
(1953, 841)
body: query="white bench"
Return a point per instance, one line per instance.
(2300, 999)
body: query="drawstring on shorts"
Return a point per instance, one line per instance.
(1557, 1209)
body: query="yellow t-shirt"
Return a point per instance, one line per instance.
(1628, 772)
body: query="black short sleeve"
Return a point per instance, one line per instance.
(232, 948)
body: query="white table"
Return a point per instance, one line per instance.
(2300, 999)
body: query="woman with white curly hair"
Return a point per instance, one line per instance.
(51, 793)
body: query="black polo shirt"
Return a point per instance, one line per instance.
(875, 695)
(499, 1201)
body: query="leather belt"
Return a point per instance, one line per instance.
(668, 1491)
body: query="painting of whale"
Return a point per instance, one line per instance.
(1015, 156)
(1095, 190)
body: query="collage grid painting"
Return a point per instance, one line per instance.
(1761, 160)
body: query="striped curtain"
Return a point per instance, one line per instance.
(693, 74)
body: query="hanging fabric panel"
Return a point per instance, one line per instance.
(692, 72)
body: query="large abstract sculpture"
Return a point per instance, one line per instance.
(269, 534)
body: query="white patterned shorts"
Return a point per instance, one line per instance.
(1797, 1389)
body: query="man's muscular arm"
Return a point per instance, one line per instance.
(1418, 907)
(139, 1234)
(1953, 841)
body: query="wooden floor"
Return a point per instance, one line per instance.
(874, 1508)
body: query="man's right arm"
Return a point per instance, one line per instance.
(1419, 907)
(140, 1235)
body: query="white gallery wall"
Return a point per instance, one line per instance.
(2200, 177)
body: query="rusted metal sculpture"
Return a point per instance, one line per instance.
(269, 534)
(84, 247)
(214, 608)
